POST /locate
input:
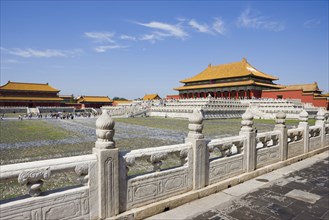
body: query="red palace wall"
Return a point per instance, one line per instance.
(296, 94)
(28, 104)
(256, 93)
(172, 97)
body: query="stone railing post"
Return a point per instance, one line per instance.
(107, 167)
(280, 125)
(200, 150)
(326, 116)
(320, 121)
(303, 117)
(250, 144)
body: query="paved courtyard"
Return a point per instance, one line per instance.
(299, 191)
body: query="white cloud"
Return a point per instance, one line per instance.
(151, 37)
(11, 61)
(102, 49)
(219, 26)
(28, 53)
(100, 37)
(251, 19)
(203, 28)
(127, 37)
(106, 41)
(167, 30)
(312, 23)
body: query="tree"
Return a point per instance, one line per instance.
(119, 99)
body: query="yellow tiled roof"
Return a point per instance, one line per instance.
(230, 70)
(269, 85)
(150, 96)
(122, 101)
(305, 87)
(7, 98)
(218, 85)
(28, 87)
(94, 99)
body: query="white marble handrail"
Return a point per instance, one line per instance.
(295, 134)
(267, 139)
(13, 170)
(157, 154)
(225, 145)
(314, 131)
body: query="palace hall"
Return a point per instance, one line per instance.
(94, 101)
(29, 94)
(232, 80)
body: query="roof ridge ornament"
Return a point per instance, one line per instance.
(244, 60)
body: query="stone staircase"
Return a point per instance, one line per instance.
(34, 111)
(259, 114)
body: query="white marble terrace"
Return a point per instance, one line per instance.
(112, 189)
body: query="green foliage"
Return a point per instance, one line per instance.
(119, 99)
(72, 100)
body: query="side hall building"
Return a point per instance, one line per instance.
(307, 93)
(94, 101)
(29, 95)
(232, 80)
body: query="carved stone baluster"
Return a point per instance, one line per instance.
(105, 132)
(264, 141)
(200, 150)
(250, 144)
(326, 118)
(183, 157)
(291, 136)
(226, 149)
(33, 179)
(156, 160)
(211, 148)
(261, 140)
(321, 118)
(303, 117)
(316, 132)
(239, 146)
(280, 125)
(247, 122)
(299, 135)
(130, 162)
(82, 171)
(108, 163)
(275, 139)
(267, 140)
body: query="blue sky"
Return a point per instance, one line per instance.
(130, 48)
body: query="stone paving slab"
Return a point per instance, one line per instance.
(298, 191)
(303, 196)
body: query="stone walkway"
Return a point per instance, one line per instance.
(299, 191)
